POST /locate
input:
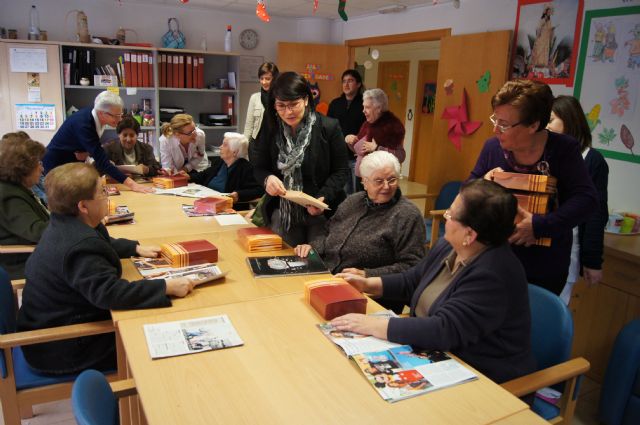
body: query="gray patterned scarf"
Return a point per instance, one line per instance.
(290, 156)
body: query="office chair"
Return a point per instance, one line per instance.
(435, 221)
(21, 387)
(551, 339)
(620, 396)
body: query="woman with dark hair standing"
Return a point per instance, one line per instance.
(298, 150)
(267, 73)
(567, 117)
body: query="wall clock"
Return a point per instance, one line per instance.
(249, 39)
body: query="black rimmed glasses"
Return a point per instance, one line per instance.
(188, 133)
(291, 106)
(502, 128)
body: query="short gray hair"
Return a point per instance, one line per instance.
(106, 100)
(377, 161)
(378, 97)
(237, 143)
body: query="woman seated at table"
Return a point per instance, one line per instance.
(374, 232)
(182, 145)
(231, 172)
(468, 296)
(127, 150)
(23, 217)
(75, 275)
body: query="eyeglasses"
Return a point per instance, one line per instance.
(502, 128)
(378, 183)
(291, 107)
(447, 215)
(189, 133)
(113, 115)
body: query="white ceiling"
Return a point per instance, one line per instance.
(295, 8)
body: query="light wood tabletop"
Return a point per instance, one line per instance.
(524, 417)
(286, 372)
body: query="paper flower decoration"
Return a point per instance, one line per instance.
(459, 124)
(261, 11)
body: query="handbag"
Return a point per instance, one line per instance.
(174, 38)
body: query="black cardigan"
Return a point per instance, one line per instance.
(240, 180)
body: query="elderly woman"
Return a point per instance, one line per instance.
(298, 150)
(267, 72)
(23, 217)
(182, 145)
(381, 130)
(379, 217)
(127, 150)
(75, 275)
(567, 117)
(468, 296)
(231, 172)
(521, 111)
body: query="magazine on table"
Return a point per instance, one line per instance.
(191, 336)
(160, 268)
(122, 215)
(398, 371)
(289, 265)
(189, 210)
(112, 190)
(191, 190)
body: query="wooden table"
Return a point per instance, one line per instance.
(525, 417)
(287, 372)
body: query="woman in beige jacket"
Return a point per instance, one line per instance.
(267, 73)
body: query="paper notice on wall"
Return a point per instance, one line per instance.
(35, 116)
(33, 87)
(28, 59)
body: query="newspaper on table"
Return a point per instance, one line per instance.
(191, 190)
(161, 268)
(191, 336)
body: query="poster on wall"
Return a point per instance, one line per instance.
(31, 116)
(608, 80)
(546, 39)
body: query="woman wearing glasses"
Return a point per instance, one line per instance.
(182, 145)
(298, 150)
(521, 144)
(377, 217)
(468, 295)
(127, 151)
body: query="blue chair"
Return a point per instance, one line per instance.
(620, 396)
(92, 400)
(21, 387)
(435, 222)
(551, 340)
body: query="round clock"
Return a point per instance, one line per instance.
(249, 39)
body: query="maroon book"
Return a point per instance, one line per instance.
(331, 301)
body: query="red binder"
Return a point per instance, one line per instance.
(227, 106)
(176, 71)
(144, 67)
(201, 72)
(141, 70)
(162, 70)
(169, 65)
(194, 77)
(128, 77)
(181, 71)
(150, 65)
(189, 71)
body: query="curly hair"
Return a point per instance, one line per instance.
(18, 158)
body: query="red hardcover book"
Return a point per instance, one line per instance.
(335, 299)
(189, 253)
(256, 239)
(169, 182)
(144, 68)
(189, 71)
(213, 204)
(181, 71)
(128, 77)
(176, 71)
(227, 106)
(169, 66)
(201, 72)
(150, 65)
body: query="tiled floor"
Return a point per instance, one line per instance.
(59, 413)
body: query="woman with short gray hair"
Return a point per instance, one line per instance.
(381, 131)
(376, 231)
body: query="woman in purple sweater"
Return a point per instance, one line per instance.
(521, 111)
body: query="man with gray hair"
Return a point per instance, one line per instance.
(79, 137)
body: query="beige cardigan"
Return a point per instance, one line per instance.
(253, 121)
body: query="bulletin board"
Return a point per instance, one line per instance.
(608, 80)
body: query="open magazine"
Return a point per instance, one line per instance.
(398, 371)
(122, 215)
(191, 336)
(160, 268)
(191, 190)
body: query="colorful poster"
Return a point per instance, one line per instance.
(35, 116)
(608, 80)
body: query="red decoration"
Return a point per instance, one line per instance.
(459, 124)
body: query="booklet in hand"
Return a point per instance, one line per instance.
(398, 371)
(305, 200)
(273, 266)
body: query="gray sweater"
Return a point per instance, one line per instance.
(381, 239)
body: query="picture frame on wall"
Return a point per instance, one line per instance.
(545, 46)
(608, 80)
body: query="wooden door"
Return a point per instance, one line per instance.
(319, 63)
(393, 78)
(464, 59)
(426, 90)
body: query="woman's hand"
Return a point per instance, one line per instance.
(136, 187)
(362, 324)
(164, 172)
(234, 196)
(274, 186)
(145, 170)
(592, 276)
(368, 147)
(148, 251)
(315, 211)
(489, 174)
(353, 270)
(303, 250)
(523, 235)
(351, 139)
(179, 286)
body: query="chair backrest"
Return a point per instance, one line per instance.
(551, 327)
(7, 315)
(447, 194)
(93, 401)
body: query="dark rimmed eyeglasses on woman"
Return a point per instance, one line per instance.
(502, 128)
(291, 107)
(188, 133)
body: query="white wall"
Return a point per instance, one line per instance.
(489, 15)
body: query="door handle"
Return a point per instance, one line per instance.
(409, 115)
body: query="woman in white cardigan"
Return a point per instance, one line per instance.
(182, 145)
(267, 72)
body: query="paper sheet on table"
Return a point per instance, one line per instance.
(230, 219)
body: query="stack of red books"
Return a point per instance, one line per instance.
(334, 297)
(256, 239)
(213, 204)
(169, 182)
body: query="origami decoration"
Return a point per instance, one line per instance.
(261, 11)
(459, 124)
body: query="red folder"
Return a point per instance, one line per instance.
(201, 72)
(181, 71)
(176, 71)
(150, 65)
(128, 77)
(189, 71)
(144, 68)
(169, 66)
(162, 70)
(196, 85)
